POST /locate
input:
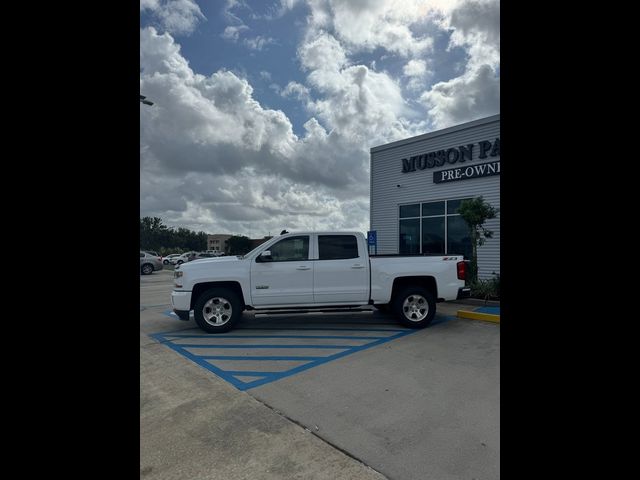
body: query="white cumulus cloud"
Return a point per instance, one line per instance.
(213, 158)
(178, 17)
(258, 42)
(369, 24)
(416, 71)
(232, 33)
(476, 92)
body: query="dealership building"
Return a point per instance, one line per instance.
(417, 185)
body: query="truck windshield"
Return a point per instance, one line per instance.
(249, 253)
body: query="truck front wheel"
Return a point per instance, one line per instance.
(414, 307)
(217, 310)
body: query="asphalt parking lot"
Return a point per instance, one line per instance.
(321, 395)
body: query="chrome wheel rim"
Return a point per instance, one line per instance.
(147, 269)
(217, 311)
(415, 308)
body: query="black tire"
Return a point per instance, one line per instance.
(165, 262)
(206, 316)
(146, 269)
(383, 307)
(414, 307)
(179, 262)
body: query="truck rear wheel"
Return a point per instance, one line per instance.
(414, 307)
(217, 310)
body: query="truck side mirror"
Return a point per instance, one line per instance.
(266, 256)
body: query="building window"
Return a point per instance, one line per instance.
(434, 228)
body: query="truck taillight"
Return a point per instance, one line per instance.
(462, 270)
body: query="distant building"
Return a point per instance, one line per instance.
(218, 242)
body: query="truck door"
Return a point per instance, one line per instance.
(286, 278)
(341, 272)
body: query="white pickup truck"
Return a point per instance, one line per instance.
(315, 270)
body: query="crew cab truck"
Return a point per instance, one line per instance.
(315, 270)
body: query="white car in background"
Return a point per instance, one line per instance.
(167, 260)
(184, 258)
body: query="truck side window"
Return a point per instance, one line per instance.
(291, 249)
(337, 247)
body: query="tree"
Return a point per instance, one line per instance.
(475, 211)
(154, 235)
(239, 245)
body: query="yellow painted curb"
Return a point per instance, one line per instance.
(487, 317)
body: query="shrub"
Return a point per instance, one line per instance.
(486, 289)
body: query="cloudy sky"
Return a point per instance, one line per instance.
(265, 110)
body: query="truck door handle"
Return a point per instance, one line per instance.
(303, 267)
(357, 265)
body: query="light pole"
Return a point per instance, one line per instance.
(146, 102)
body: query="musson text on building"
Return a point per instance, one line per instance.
(454, 155)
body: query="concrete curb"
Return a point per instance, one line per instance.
(477, 301)
(486, 317)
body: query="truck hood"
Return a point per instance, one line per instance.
(202, 261)
(229, 268)
(201, 265)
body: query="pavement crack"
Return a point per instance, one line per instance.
(307, 429)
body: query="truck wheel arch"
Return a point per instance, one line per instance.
(200, 288)
(425, 281)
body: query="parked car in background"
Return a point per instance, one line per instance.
(149, 263)
(167, 260)
(185, 257)
(215, 253)
(204, 255)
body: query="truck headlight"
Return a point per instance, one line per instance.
(177, 274)
(176, 278)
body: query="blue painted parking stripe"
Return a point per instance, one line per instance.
(256, 358)
(250, 373)
(341, 337)
(490, 310)
(442, 318)
(249, 346)
(332, 329)
(170, 313)
(302, 368)
(267, 377)
(239, 384)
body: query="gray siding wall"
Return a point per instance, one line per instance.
(418, 186)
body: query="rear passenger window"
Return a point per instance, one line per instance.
(337, 247)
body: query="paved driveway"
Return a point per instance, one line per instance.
(409, 403)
